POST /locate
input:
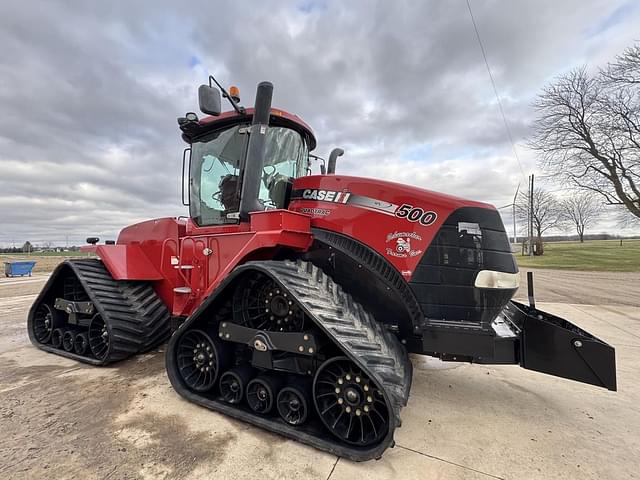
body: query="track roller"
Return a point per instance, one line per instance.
(68, 338)
(81, 343)
(293, 404)
(234, 382)
(56, 337)
(262, 392)
(349, 403)
(199, 360)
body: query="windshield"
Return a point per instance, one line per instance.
(216, 160)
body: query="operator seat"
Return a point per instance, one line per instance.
(280, 187)
(229, 193)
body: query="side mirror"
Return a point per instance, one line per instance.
(209, 99)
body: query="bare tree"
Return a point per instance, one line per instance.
(582, 211)
(588, 130)
(625, 70)
(547, 214)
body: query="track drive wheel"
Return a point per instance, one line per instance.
(262, 304)
(349, 403)
(199, 360)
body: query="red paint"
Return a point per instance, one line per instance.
(372, 227)
(185, 262)
(127, 262)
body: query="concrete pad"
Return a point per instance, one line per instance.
(400, 463)
(514, 423)
(62, 419)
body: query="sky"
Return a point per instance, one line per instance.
(90, 93)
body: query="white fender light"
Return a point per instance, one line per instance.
(502, 280)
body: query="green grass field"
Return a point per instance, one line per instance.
(600, 255)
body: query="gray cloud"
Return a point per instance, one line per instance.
(89, 93)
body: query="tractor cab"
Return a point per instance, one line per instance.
(224, 167)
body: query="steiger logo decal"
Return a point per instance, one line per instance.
(399, 244)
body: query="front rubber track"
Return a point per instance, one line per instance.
(360, 337)
(136, 318)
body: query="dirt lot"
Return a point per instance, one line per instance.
(61, 419)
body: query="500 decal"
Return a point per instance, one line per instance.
(416, 214)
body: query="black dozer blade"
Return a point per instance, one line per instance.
(553, 345)
(109, 319)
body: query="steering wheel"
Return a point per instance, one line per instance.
(268, 176)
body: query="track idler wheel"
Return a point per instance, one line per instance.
(349, 403)
(81, 343)
(262, 392)
(199, 360)
(44, 322)
(99, 339)
(68, 338)
(234, 382)
(56, 337)
(293, 404)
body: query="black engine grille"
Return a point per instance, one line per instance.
(472, 239)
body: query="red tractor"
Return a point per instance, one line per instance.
(296, 298)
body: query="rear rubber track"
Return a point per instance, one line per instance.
(136, 318)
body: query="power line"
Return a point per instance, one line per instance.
(495, 89)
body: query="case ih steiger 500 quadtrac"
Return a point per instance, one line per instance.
(299, 297)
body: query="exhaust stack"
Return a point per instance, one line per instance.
(254, 162)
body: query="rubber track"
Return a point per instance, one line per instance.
(365, 341)
(136, 317)
(350, 326)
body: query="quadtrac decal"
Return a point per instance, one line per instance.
(322, 212)
(406, 211)
(399, 244)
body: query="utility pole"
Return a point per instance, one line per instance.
(515, 235)
(531, 217)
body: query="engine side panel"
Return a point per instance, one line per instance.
(397, 221)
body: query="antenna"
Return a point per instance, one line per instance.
(238, 108)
